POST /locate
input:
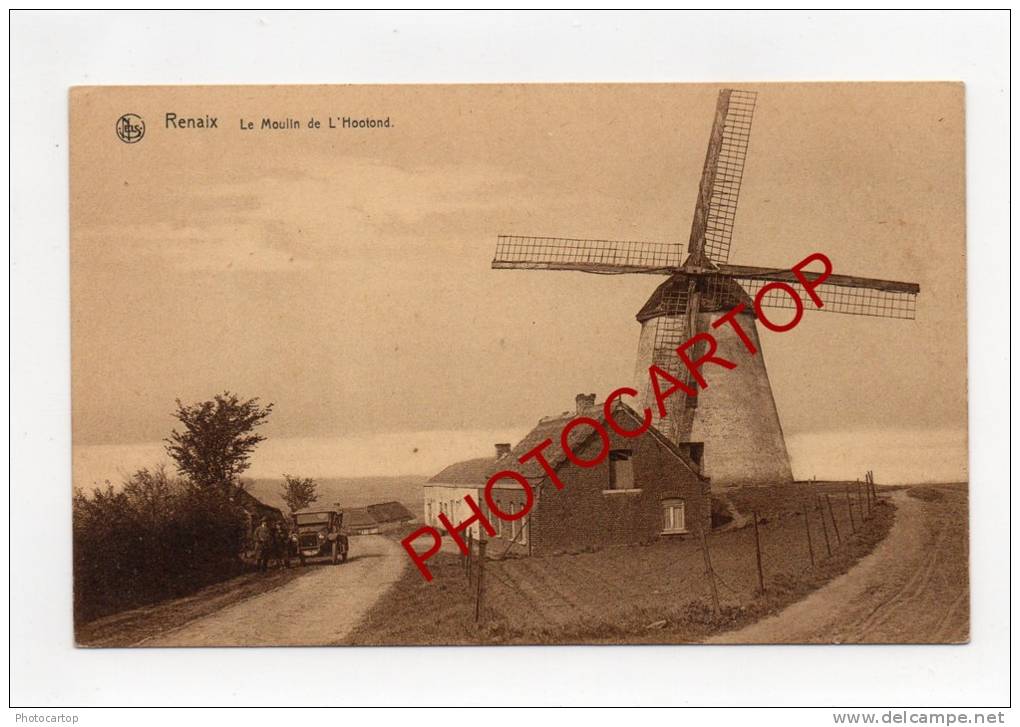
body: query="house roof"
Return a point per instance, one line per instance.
(468, 472)
(358, 517)
(370, 516)
(253, 504)
(476, 472)
(313, 509)
(388, 512)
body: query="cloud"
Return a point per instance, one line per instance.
(896, 456)
(361, 211)
(394, 454)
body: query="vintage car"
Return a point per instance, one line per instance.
(316, 534)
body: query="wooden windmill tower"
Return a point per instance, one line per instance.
(736, 415)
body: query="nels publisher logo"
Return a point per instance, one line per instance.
(130, 128)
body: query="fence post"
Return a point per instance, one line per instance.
(480, 591)
(709, 572)
(757, 551)
(832, 517)
(825, 528)
(850, 509)
(807, 529)
(470, 554)
(865, 509)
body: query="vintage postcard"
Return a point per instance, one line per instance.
(519, 364)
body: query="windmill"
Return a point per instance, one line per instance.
(735, 416)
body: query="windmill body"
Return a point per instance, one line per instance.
(735, 416)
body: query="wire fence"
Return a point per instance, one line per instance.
(766, 550)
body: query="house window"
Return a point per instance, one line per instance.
(621, 470)
(428, 513)
(673, 517)
(514, 530)
(500, 525)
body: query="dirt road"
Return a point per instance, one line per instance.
(318, 608)
(912, 588)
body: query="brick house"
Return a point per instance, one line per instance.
(647, 488)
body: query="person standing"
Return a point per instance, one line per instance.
(282, 533)
(263, 544)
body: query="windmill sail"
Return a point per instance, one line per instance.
(701, 285)
(671, 330)
(590, 256)
(847, 294)
(674, 325)
(848, 300)
(721, 177)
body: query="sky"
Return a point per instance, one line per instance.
(344, 275)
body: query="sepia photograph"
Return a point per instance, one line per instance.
(364, 360)
(519, 364)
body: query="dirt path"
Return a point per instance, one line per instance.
(911, 589)
(319, 608)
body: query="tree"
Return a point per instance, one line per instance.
(151, 493)
(298, 492)
(218, 439)
(155, 537)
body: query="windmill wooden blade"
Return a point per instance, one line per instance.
(679, 323)
(606, 257)
(848, 294)
(674, 326)
(716, 210)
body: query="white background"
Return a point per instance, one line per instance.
(52, 52)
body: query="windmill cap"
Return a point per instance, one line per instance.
(719, 293)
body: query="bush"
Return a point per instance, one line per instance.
(157, 537)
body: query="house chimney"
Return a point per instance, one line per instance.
(697, 452)
(584, 402)
(502, 450)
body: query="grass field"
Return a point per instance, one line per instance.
(656, 593)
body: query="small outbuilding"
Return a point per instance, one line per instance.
(379, 518)
(359, 521)
(390, 514)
